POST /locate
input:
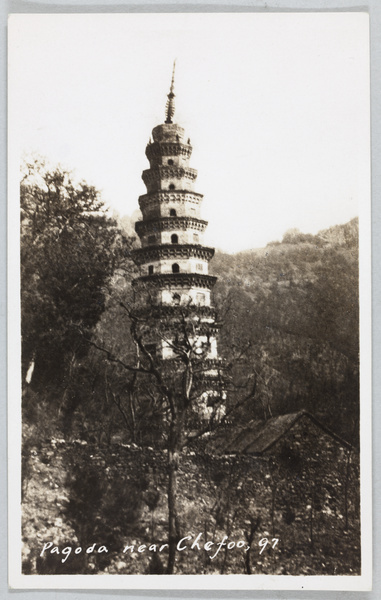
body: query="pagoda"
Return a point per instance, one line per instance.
(172, 260)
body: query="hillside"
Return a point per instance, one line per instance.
(298, 258)
(295, 303)
(79, 495)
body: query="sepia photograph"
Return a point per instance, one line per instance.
(189, 237)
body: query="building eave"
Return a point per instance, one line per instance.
(169, 224)
(176, 280)
(165, 251)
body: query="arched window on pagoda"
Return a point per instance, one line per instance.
(174, 238)
(172, 212)
(175, 268)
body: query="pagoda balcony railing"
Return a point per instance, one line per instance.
(169, 196)
(170, 310)
(158, 149)
(168, 224)
(201, 365)
(209, 374)
(165, 172)
(164, 251)
(185, 280)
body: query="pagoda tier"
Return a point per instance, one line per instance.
(168, 251)
(169, 223)
(167, 197)
(156, 151)
(178, 280)
(165, 311)
(204, 328)
(169, 203)
(156, 178)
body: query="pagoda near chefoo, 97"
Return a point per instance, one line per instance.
(173, 261)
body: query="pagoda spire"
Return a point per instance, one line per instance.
(170, 106)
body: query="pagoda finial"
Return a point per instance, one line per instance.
(170, 106)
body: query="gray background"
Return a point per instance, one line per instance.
(97, 6)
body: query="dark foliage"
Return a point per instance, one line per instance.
(70, 250)
(117, 496)
(293, 309)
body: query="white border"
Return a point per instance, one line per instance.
(195, 582)
(173, 582)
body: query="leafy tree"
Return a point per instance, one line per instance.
(70, 250)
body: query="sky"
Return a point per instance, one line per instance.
(276, 106)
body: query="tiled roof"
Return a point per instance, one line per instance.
(259, 436)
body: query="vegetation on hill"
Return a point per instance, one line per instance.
(294, 306)
(79, 494)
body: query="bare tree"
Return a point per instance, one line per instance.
(189, 388)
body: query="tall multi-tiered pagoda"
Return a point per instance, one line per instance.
(172, 259)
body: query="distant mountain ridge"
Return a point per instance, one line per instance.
(297, 251)
(341, 235)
